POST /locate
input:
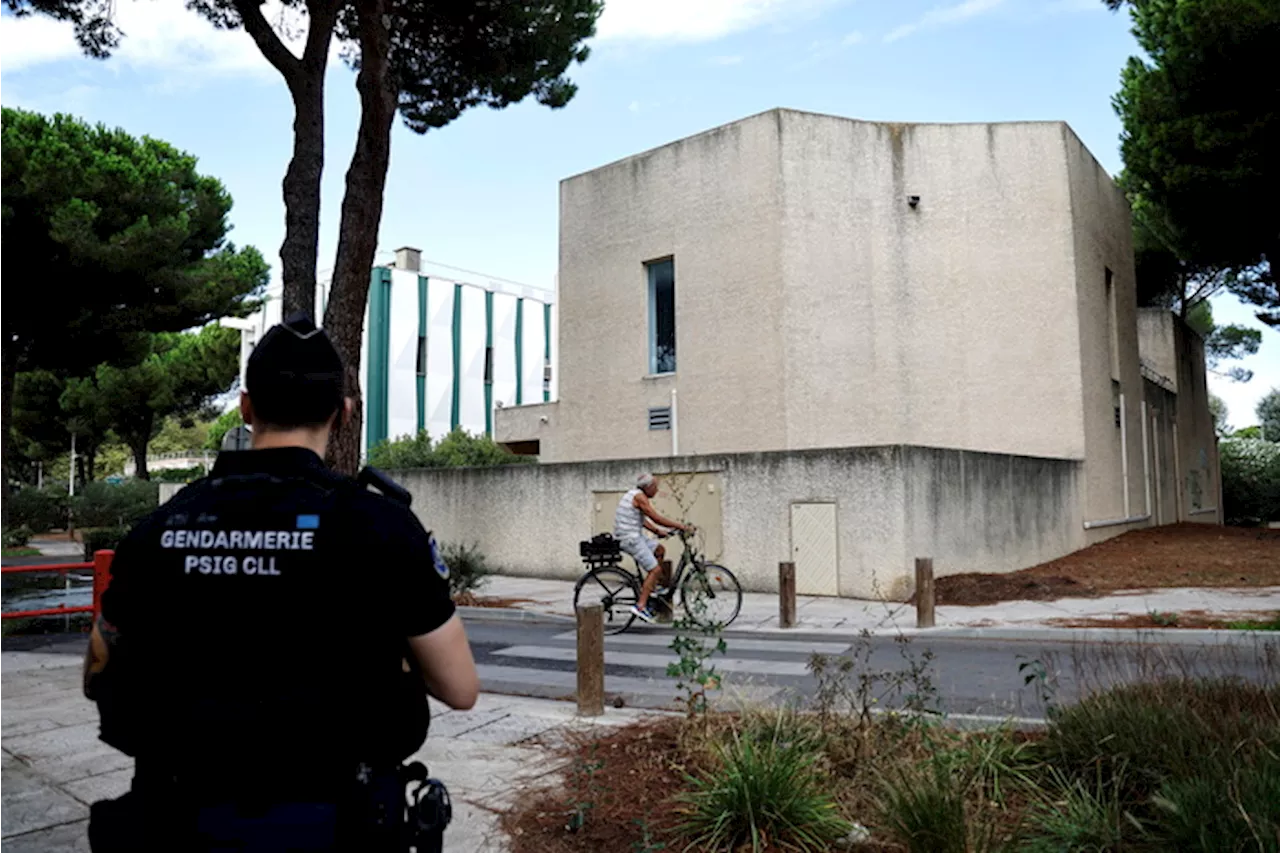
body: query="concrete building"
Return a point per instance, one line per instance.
(858, 343)
(441, 352)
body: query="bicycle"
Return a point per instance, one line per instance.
(709, 593)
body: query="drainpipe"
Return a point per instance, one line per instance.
(1124, 456)
(675, 426)
(1155, 444)
(1146, 460)
(1177, 475)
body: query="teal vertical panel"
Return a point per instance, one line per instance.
(455, 418)
(546, 352)
(421, 366)
(377, 394)
(519, 352)
(488, 362)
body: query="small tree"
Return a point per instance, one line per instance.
(178, 378)
(1268, 412)
(1250, 480)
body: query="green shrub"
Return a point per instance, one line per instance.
(115, 504)
(101, 539)
(458, 449)
(178, 475)
(763, 792)
(468, 569)
(1250, 480)
(924, 811)
(1222, 813)
(39, 509)
(1076, 818)
(17, 537)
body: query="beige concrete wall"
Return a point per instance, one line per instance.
(711, 202)
(1201, 479)
(814, 307)
(970, 511)
(1102, 240)
(1156, 344)
(950, 324)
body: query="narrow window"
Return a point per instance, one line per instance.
(662, 316)
(1113, 333)
(422, 355)
(488, 365)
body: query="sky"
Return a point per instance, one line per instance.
(481, 194)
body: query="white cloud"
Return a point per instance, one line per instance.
(157, 36)
(943, 15)
(853, 38)
(692, 20)
(634, 106)
(725, 60)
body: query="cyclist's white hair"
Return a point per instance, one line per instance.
(644, 480)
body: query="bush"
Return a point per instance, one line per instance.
(115, 505)
(17, 537)
(763, 793)
(1191, 764)
(40, 510)
(468, 569)
(458, 449)
(102, 539)
(178, 475)
(1250, 480)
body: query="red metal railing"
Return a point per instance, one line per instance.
(101, 566)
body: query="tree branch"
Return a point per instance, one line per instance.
(268, 42)
(322, 15)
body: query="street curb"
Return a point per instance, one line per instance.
(511, 614)
(1135, 636)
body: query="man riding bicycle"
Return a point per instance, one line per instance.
(635, 514)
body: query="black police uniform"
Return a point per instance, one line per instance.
(259, 674)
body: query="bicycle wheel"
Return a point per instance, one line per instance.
(711, 595)
(614, 590)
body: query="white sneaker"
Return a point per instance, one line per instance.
(643, 613)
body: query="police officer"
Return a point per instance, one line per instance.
(269, 637)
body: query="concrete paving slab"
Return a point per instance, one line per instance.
(67, 838)
(104, 786)
(29, 803)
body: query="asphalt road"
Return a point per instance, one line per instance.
(978, 678)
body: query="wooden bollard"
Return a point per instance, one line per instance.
(591, 660)
(786, 595)
(924, 592)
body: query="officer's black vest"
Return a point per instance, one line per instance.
(341, 700)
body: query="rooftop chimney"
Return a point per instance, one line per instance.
(409, 258)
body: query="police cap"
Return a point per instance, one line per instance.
(295, 375)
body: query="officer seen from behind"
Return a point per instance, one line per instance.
(269, 637)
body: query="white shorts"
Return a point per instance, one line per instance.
(641, 548)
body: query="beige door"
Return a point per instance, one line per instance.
(813, 548)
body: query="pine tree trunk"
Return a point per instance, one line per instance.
(361, 215)
(8, 372)
(139, 448)
(302, 195)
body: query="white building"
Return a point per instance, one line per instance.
(439, 351)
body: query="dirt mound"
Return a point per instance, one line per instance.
(1172, 556)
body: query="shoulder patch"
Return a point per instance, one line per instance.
(442, 568)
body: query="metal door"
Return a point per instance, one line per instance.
(813, 548)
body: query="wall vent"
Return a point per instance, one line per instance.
(660, 418)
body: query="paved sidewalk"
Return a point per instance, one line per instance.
(54, 766)
(844, 616)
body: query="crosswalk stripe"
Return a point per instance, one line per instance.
(657, 661)
(563, 684)
(735, 644)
